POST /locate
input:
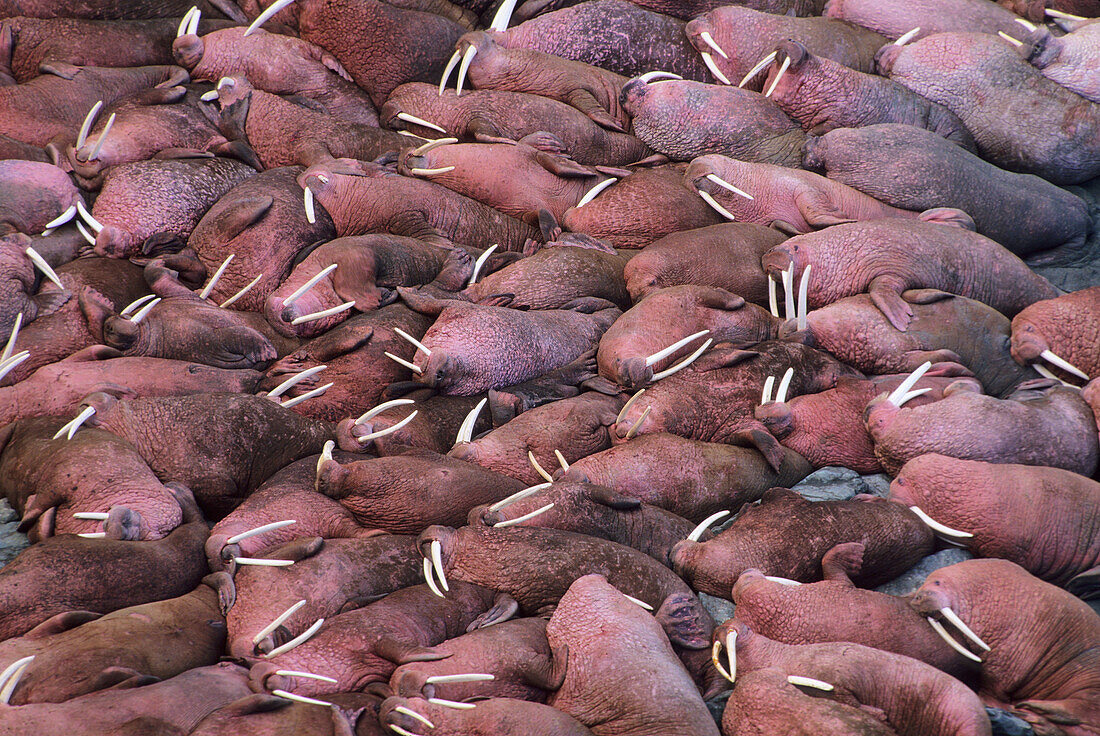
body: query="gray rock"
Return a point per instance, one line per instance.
(1079, 268)
(831, 484)
(11, 541)
(719, 608)
(912, 578)
(1006, 724)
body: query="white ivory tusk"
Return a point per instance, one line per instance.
(781, 392)
(958, 623)
(937, 526)
(766, 394)
(518, 495)
(466, 429)
(803, 293)
(262, 562)
(135, 304)
(62, 218)
(638, 422)
(388, 430)
(629, 403)
(437, 563)
(773, 302)
(10, 677)
(782, 581)
(704, 524)
(300, 639)
(308, 395)
(683, 363)
(467, 677)
(372, 413)
(664, 353)
(102, 137)
(265, 16)
(85, 234)
(431, 145)
(779, 75)
(809, 682)
(301, 698)
(431, 172)
(709, 41)
(725, 184)
(413, 714)
(715, 206)
(1015, 42)
(402, 361)
(279, 621)
(307, 203)
(44, 267)
(908, 383)
(591, 193)
(907, 37)
(294, 295)
(216, 277)
(451, 64)
(561, 460)
(939, 629)
(419, 345)
(85, 215)
(91, 515)
(419, 121)
(86, 126)
(451, 704)
(641, 603)
(480, 262)
(259, 530)
(757, 69)
(657, 75)
(1064, 16)
(10, 345)
(502, 16)
(307, 675)
(12, 363)
(295, 380)
(467, 58)
(708, 60)
(912, 395)
(538, 468)
(242, 292)
(431, 580)
(322, 314)
(141, 314)
(525, 517)
(1064, 364)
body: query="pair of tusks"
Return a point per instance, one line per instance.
(8, 362)
(92, 516)
(1062, 363)
(466, 429)
(480, 263)
(705, 524)
(86, 128)
(499, 24)
(899, 396)
(294, 381)
(781, 394)
(213, 94)
(661, 354)
(710, 200)
(435, 564)
(190, 23)
(71, 426)
(520, 495)
(731, 647)
(218, 274)
(760, 66)
(709, 60)
(372, 413)
(419, 347)
(300, 639)
(525, 517)
(789, 310)
(953, 618)
(10, 677)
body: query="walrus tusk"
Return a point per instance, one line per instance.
(801, 681)
(958, 623)
(413, 714)
(86, 126)
(259, 530)
(803, 293)
(1064, 16)
(518, 495)
(388, 430)
(704, 524)
(773, 302)
(480, 262)
(60, 219)
(91, 515)
(307, 203)
(629, 403)
(431, 172)
(242, 292)
(1062, 363)
(715, 206)
(85, 215)
(643, 604)
(419, 121)
(216, 277)
(937, 526)
(538, 468)
(781, 392)
(638, 423)
(10, 345)
(779, 75)
(262, 562)
(102, 138)
(265, 16)
(709, 41)
(912, 395)
(467, 677)
(402, 361)
(525, 517)
(419, 345)
(372, 413)
(10, 677)
(301, 698)
(713, 68)
(307, 675)
(437, 563)
(766, 394)
(757, 69)
(432, 145)
(300, 639)
(657, 75)
(309, 284)
(451, 704)
(467, 58)
(662, 354)
(451, 64)
(726, 185)
(907, 37)
(466, 429)
(561, 459)
(7, 366)
(279, 621)
(1015, 42)
(502, 16)
(731, 648)
(308, 395)
(322, 314)
(782, 581)
(295, 380)
(140, 315)
(938, 628)
(788, 292)
(431, 580)
(45, 268)
(591, 193)
(135, 304)
(682, 364)
(908, 383)
(74, 424)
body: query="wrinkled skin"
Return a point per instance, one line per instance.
(791, 200)
(491, 717)
(434, 427)
(799, 614)
(99, 286)
(641, 208)
(1066, 60)
(748, 35)
(369, 269)
(112, 9)
(283, 133)
(564, 383)
(892, 19)
(33, 194)
(515, 652)
(21, 282)
(576, 427)
(1041, 423)
(363, 198)
(380, 45)
(536, 566)
(404, 493)
(260, 714)
(364, 646)
(332, 577)
(764, 703)
(685, 10)
(664, 317)
(222, 446)
(913, 698)
(183, 326)
(886, 257)
(11, 148)
(894, 540)
(1043, 659)
(597, 512)
(556, 275)
(475, 348)
(1063, 326)
(276, 63)
(608, 34)
(158, 123)
(173, 706)
(57, 389)
(823, 95)
(1009, 509)
(684, 119)
(827, 428)
(47, 480)
(69, 573)
(52, 105)
(725, 256)
(262, 223)
(587, 632)
(591, 89)
(689, 478)
(288, 494)
(159, 199)
(78, 652)
(491, 116)
(916, 170)
(520, 182)
(710, 400)
(956, 69)
(944, 328)
(357, 367)
(89, 42)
